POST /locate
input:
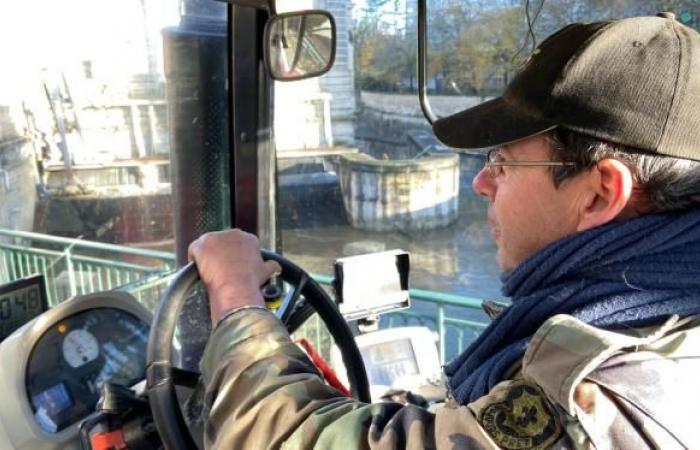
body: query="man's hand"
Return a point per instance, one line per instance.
(232, 270)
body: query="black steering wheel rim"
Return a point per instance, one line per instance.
(160, 377)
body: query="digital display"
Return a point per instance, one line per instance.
(388, 361)
(20, 302)
(53, 401)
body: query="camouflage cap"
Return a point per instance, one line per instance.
(634, 82)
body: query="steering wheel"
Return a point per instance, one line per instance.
(162, 377)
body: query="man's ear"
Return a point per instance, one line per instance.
(610, 187)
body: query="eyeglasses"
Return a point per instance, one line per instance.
(495, 163)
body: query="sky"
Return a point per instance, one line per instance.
(59, 35)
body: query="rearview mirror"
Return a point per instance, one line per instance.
(299, 45)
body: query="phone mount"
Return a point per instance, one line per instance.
(372, 284)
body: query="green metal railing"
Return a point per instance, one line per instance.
(443, 313)
(76, 267)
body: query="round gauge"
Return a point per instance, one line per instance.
(80, 347)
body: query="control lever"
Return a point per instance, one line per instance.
(272, 293)
(121, 421)
(277, 301)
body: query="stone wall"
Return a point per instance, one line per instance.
(18, 178)
(386, 121)
(129, 130)
(384, 135)
(340, 81)
(418, 194)
(8, 125)
(146, 176)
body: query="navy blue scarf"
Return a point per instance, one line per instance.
(632, 273)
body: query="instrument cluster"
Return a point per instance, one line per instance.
(76, 356)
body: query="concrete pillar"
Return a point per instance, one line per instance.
(417, 194)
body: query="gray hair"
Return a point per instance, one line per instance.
(667, 183)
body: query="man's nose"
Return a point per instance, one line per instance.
(484, 184)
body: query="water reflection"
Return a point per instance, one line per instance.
(459, 259)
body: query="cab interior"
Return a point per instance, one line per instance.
(129, 128)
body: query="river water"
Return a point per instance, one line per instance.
(459, 259)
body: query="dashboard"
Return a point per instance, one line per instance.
(76, 356)
(52, 368)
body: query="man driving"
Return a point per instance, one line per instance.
(593, 185)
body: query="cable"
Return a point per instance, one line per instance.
(530, 34)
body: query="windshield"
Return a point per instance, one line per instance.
(476, 47)
(90, 96)
(361, 171)
(114, 123)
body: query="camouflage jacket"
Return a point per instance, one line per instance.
(576, 387)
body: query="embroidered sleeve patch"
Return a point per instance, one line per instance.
(523, 420)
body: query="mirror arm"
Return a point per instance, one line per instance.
(272, 7)
(422, 62)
